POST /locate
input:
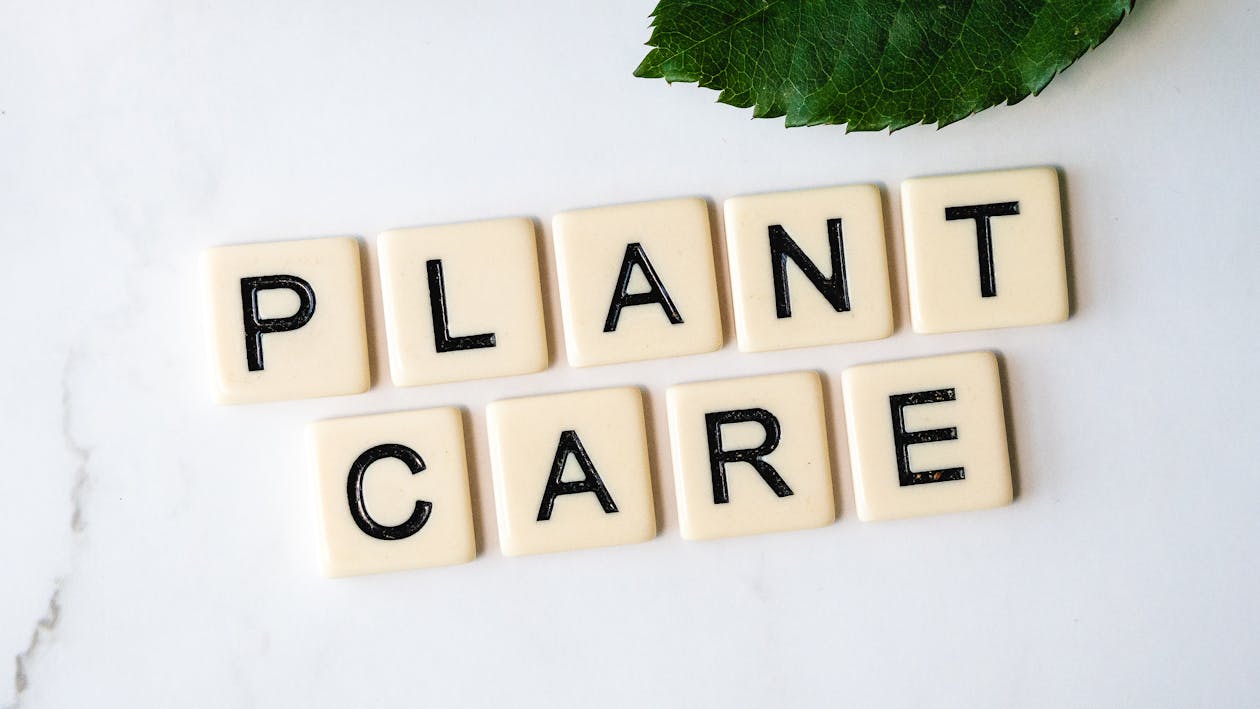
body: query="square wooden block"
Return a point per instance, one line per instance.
(286, 320)
(985, 250)
(392, 491)
(571, 471)
(462, 302)
(637, 282)
(750, 455)
(808, 268)
(927, 436)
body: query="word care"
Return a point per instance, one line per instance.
(572, 470)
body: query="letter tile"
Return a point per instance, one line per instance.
(462, 302)
(571, 471)
(392, 491)
(750, 455)
(927, 436)
(808, 268)
(286, 320)
(985, 250)
(637, 282)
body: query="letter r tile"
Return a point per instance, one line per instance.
(286, 320)
(927, 436)
(750, 455)
(392, 491)
(462, 301)
(985, 250)
(637, 282)
(571, 471)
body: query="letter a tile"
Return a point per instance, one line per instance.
(637, 282)
(927, 436)
(571, 471)
(392, 491)
(985, 250)
(750, 455)
(286, 320)
(808, 268)
(462, 302)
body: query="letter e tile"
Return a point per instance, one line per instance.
(750, 455)
(637, 282)
(927, 436)
(392, 491)
(286, 320)
(985, 250)
(462, 302)
(571, 471)
(808, 268)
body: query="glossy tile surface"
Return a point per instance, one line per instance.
(392, 491)
(285, 320)
(571, 471)
(808, 267)
(927, 436)
(637, 282)
(750, 455)
(985, 250)
(462, 302)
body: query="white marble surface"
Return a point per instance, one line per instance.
(158, 550)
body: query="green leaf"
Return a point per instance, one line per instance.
(873, 64)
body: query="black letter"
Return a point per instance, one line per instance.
(718, 458)
(255, 328)
(636, 256)
(571, 444)
(834, 289)
(984, 236)
(903, 439)
(358, 506)
(441, 329)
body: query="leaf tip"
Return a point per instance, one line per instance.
(650, 67)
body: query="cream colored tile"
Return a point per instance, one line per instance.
(392, 491)
(286, 320)
(961, 280)
(637, 282)
(750, 455)
(571, 471)
(927, 436)
(462, 302)
(808, 268)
